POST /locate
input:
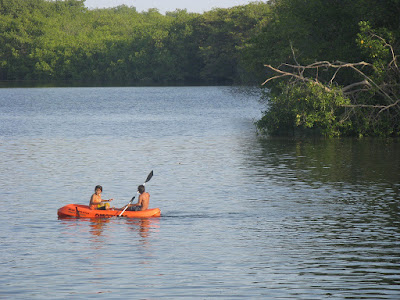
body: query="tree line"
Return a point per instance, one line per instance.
(63, 40)
(329, 67)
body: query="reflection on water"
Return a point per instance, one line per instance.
(144, 226)
(243, 217)
(98, 226)
(361, 174)
(334, 161)
(339, 205)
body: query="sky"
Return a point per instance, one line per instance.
(163, 6)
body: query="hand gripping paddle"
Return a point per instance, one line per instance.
(130, 202)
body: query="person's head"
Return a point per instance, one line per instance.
(98, 188)
(141, 189)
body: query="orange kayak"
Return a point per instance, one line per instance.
(83, 211)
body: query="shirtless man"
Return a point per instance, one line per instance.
(96, 202)
(143, 202)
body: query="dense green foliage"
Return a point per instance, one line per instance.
(361, 100)
(63, 40)
(309, 108)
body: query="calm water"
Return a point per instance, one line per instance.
(242, 217)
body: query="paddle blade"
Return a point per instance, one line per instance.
(149, 177)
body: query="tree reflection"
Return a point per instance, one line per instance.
(351, 161)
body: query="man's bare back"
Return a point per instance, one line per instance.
(144, 200)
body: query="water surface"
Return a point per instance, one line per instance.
(242, 216)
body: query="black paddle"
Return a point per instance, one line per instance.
(130, 202)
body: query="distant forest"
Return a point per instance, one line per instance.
(63, 40)
(330, 66)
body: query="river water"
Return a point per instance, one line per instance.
(243, 217)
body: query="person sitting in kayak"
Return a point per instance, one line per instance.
(96, 202)
(143, 202)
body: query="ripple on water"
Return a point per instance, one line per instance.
(242, 217)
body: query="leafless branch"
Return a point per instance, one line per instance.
(347, 89)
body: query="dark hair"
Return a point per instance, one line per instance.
(98, 187)
(141, 189)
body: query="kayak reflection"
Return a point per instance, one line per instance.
(97, 226)
(144, 226)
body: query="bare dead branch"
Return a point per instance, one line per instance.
(387, 91)
(351, 86)
(389, 106)
(294, 55)
(293, 75)
(275, 77)
(386, 44)
(365, 106)
(298, 74)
